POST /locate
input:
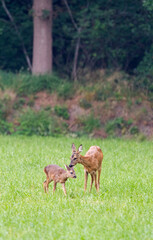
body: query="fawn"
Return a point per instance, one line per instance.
(92, 162)
(57, 174)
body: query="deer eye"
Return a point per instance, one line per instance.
(71, 172)
(74, 158)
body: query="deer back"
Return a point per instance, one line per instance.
(93, 157)
(56, 173)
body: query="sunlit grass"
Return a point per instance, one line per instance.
(122, 209)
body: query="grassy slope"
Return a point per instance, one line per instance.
(122, 210)
(103, 103)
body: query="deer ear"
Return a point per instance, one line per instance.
(73, 148)
(80, 148)
(67, 167)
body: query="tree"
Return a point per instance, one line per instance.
(42, 37)
(87, 35)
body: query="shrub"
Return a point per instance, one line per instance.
(27, 84)
(5, 127)
(7, 79)
(134, 130)
(61, 111)
(38, 123)
(65, 90)
(117, 123)
(31, 101)
(85, 104)
(144, 72)
(19, 103)
(138, 101)
(104, 92)
(5, 107)
(2, 110)
(90, 123)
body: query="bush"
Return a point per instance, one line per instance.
(134, 130)
(5, 127)
(90, 123)
(19, 103)
(5, 106)
(104, 92)
(38, 123)
(25, 84)
(85, 103)
(117, 124)
(2, 110)
(65, 90)
(28, 84)
(61, 111)
(144, 72)
(7, 80)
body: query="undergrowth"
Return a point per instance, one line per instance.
(110, 84)
(19, 116)
(41, 123)
(26, 84)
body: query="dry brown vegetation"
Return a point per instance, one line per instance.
(106, 106)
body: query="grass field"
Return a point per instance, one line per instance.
(123, 209)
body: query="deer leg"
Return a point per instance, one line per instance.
(45, 187)
(99, 172)
(46, 184)
(64, 189)
(54, 188)
(85, 179)
(92, 179)
(95, 178)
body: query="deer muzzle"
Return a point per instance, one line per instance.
(71, 165)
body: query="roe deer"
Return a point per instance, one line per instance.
(92, 162)
(57, 174)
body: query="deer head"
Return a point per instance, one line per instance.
(75, 157)
(70, 172)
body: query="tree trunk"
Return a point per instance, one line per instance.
(42, 37)
(74, 71)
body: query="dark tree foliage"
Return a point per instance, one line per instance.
(113, 34)
(11, 53)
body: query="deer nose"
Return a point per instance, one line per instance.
(70, 165)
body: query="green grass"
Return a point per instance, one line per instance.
(25, 84)
(122, 209)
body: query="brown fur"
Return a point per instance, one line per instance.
(92, 162)
(57, 174)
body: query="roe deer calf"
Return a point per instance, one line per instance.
(92, 162)
(57, 174)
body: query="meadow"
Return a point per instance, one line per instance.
(121, 210)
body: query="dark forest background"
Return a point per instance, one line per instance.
(101, 79)
(113, 34)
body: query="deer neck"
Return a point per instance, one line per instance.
(84, 161)
(65, 177)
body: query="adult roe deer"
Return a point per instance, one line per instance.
(92, 162)
(57, 174)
